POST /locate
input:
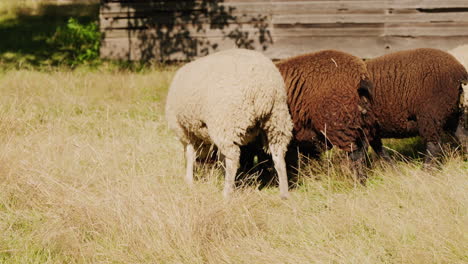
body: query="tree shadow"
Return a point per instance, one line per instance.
(182, 30)
(26, 36)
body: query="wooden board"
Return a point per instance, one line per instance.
(284, 47)
(364, 47)
(134, 29)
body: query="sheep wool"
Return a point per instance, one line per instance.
(324, 99)
(416, 92)
(461, 54)
(228, 99)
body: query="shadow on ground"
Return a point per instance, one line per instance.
(257, 166)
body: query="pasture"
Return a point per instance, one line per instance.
(90, 173)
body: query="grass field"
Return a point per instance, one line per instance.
(89, 173)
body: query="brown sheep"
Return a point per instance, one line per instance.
(329, 98)
(416, 92)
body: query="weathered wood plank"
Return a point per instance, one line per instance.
(375, 4)
(377, 16)
(426, 29)
(296, 7)
(364, 47)
(351, 30)
(115, 49)
(117, 7)
(371, 18)
(167, 19)
(352, 4)
(376, 29)
(318, 3)
(365, 28)
(313, 7)
(138, 49)
(193, 31)
(285, 6)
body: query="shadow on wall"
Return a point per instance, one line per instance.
(25, 36)
(182, 30)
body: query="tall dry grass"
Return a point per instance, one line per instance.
(89, 173)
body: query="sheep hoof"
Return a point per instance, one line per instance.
(284, 196)
(189, 182)
(227, 193)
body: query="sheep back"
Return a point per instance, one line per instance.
(416, 92)
(223, 97)
(323, 98)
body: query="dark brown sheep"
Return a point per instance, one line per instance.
(416, 92)
(329, 99)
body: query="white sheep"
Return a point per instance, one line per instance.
(461, 54)
(228, 99)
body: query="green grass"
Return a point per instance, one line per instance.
(27, 28)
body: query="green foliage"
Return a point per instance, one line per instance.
(30, 38)
(79, 42)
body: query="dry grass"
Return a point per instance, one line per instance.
(89, 173)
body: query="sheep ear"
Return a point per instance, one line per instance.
(365, 89)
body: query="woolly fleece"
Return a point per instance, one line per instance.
(416, 92)
(461, 54)
(228, 99)
(323, 98)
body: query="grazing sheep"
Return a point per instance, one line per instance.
(416, 92)
(229, 99)
(329, 98)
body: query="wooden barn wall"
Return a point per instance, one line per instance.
(167, 30)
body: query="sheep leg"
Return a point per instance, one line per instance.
(280, 167)
(358, 158)
(462, 136)
(377, 146)
(232, 164)
(190, 157)
(292, 159)
(430, 130)
(432, 149)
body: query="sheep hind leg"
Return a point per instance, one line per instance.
(280, 167)
(232, 165)
(292, 160)
(462, 136)
(278, 151)
(190, 157)
(378, 148)
(433, 149)
(358, 158)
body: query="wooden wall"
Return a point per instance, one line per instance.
(185, 29)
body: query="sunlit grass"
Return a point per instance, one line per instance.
(89, 173)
